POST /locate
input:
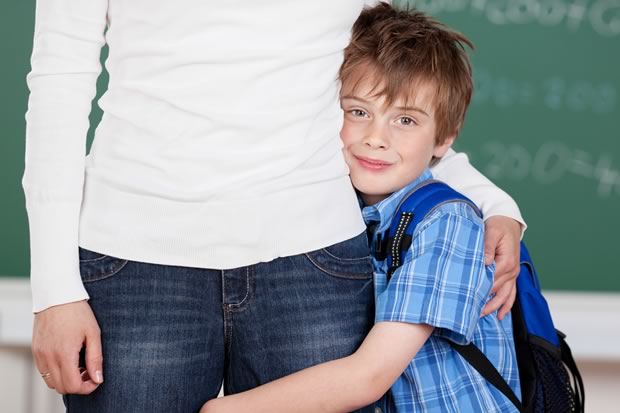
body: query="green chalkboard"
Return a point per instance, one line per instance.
(16, 26)
(544, 124)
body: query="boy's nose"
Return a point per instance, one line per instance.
(376, 140)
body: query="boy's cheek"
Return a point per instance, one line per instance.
(347, 134)
(349, 159)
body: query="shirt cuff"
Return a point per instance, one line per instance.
(54, 259)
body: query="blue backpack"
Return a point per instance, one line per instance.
(550, 380)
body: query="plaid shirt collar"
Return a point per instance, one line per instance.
(379, 216)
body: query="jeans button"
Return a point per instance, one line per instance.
(377, 410)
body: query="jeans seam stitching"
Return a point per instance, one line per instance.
(95, 259)
(229, 331)
(227, 320)
(342, 275)
(101, 277)
(348, 260)
(247, 290)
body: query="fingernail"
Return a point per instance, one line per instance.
(99, 376)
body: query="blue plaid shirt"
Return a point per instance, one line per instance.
(443, 282)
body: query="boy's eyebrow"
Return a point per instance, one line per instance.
(411, 108)
(404, 108)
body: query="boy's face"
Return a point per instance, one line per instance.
(387, 147)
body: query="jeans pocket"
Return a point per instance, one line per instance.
(347, 259)
(95, 266)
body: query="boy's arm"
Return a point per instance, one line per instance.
(442, 282)
(503, 221)
(338, 386)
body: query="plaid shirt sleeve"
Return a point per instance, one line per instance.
(443, 281)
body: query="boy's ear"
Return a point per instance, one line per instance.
(440, 150)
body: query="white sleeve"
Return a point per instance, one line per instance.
(68, 38)
(454, 169)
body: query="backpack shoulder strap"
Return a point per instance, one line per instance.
(414, 207)
(483, 365)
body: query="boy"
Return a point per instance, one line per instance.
(406, 85)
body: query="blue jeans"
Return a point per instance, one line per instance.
(171, 335)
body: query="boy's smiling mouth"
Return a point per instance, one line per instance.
(371, 163)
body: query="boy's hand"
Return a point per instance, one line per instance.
(501, 243)
(207, 408)
(218, 405)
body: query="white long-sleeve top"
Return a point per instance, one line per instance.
(218, 146)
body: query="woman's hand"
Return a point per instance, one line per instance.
(502, 244)
(59, 334)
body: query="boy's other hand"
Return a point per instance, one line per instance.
(208, 408)
(501, 244)
(221, 405)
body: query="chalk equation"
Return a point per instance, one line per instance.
(603, 16)
(555, 93)
(548, 164)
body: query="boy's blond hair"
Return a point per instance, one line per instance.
(400, 49)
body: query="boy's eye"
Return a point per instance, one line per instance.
(407, 121)
(358, 113)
